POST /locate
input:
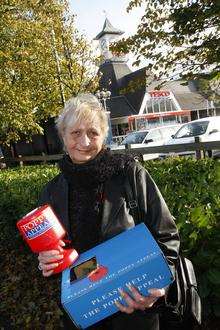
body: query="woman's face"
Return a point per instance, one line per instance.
(83, 141)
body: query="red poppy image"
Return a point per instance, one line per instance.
(98, 273)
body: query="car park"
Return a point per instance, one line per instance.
(153, 136)
(206, 129)
(148, 138)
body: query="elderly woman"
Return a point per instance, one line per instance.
(89, 198)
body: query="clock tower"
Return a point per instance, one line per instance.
(108, 34)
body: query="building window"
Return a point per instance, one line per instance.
(170, 120)
(153, 122)
(160, 104)
(157, 106)
(141, 123)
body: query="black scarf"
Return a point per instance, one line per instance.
(86, 188)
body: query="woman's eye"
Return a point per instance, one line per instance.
(93, 133)
(75, 133)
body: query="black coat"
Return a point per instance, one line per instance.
(116, 218)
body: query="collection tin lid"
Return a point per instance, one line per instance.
(34, 213)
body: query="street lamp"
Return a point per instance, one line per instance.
(103, 96)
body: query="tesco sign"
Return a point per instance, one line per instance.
(159, 93)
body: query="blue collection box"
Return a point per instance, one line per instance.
(90, 287)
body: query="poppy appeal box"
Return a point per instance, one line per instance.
(90, 287)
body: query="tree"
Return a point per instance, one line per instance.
(43, 61)
(177, 37)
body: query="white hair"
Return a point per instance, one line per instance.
(84, 107)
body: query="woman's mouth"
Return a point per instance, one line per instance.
(84, 151)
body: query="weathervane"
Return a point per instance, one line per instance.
(105, 13)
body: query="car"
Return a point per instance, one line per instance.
(148, 138)
(151, 136)
(207, 129)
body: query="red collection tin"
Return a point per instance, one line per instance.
(42, 230)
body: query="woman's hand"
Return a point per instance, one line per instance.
(135, 301)
(49, 260)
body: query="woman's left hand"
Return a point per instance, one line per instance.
(135, 301)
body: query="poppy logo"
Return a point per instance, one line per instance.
(98, 273)
(36, 227)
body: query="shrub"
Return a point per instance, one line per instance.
(191, 190)
(27, 299)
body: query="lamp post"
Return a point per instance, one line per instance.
(103, 96)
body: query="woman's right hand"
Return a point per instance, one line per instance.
(49, 260)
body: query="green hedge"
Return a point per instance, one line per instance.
(27, 299)
(191, 190)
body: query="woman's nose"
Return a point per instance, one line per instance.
(85, 140)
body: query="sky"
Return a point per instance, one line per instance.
(91, 15)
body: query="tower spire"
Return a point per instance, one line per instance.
(108, 28)
(107, 35)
